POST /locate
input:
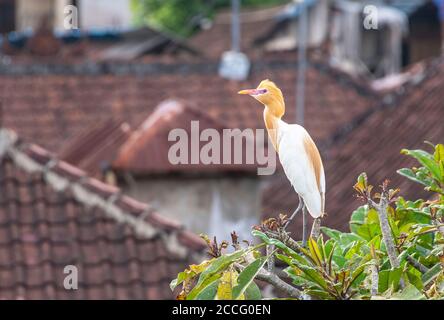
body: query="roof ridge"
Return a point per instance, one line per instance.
(429, 68)
(392, 98)
(168, 108)
(359, 84)
(61, 175)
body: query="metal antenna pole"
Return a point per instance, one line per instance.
(302, 63)
(235, 25)
(300, 89)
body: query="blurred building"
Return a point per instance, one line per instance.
(399, 34)
(284, 33)
(22, 15)
(105, 14)
(7, 16)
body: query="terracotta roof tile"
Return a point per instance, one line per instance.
(44, 228)
(53, 109)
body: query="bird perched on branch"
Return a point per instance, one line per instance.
(297, 152)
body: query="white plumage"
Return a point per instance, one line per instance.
(298, 166)
(298, 153)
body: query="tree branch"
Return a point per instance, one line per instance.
(439, 226)
(285, 238)
(416, 264)
(374, 279)
(276, 282)
(387, 236)
(279, 284)
(270, 260)
(316, 228)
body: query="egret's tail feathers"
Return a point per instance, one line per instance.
(315, 206)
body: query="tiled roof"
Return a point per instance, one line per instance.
(52, 215)
(374, 146)
(93, 150)
(146, 151)
(53, 108)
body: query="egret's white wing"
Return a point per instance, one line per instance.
(298, 166)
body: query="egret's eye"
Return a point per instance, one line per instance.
(261, 91)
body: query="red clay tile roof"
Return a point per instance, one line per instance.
(146, 151)
(53, 107)
(95, 149)
(374, 147)
(53, 215)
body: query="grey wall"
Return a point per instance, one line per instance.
(204, 205)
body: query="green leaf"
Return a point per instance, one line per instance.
(226, 285)
(359, 270)
(389, 279)
(247, 276)
(358, 218)
(191, 272)
(315, 252)
(267, 240)
(217, 266)
(414, 277)
(175, 282)
(409, 174)
(348, 238)
(280, 245)
(431, 274)
(253, 292)
(199, 288)
(331, 233)
(410, 292)
(313, 275)
(209, 292)
(439, 152)
(361, 183)
(426, 159)
(339, 260)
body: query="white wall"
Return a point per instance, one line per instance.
(213, 206)
(105, 13)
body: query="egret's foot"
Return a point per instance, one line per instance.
(300, 205)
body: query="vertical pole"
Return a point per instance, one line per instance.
(302, 63)
(235, 25)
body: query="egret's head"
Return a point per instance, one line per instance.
(268, 94)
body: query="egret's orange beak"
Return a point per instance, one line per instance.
(253, 92)
(248, 91)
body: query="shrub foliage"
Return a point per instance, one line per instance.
(340, 265)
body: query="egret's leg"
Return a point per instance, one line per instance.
(316, 228)
(300, 204)
(304, 226)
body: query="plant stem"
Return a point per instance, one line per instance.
(272, 279)
(416, 264)
(387, 236)
(316, 228)
(279, 284)
(270, 260)
(374, 279)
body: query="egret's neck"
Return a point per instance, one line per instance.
(272, 116)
